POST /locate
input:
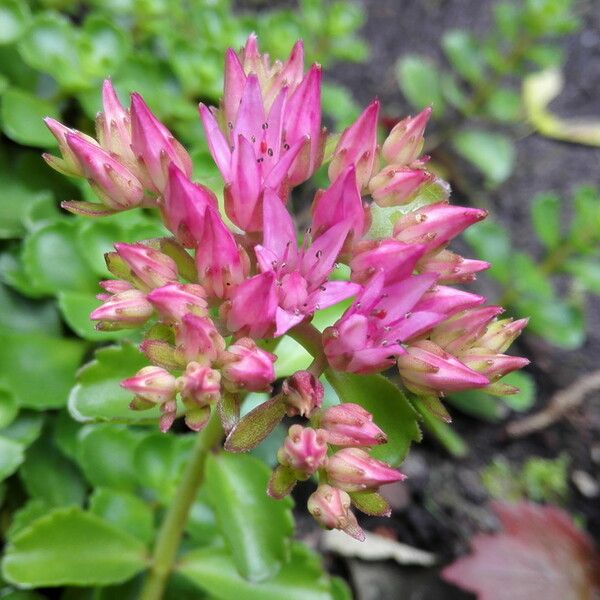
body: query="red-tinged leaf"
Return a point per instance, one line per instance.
(87, 209)
(281, 483)
(539, 554)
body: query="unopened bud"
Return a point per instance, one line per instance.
(302, 394)
(247, 367)
(330, 507)
(151, 385)
(304, 451)
(351, 425)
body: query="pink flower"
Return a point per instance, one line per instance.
(303, 393)
(451, 267)
(154, 145)
(369, 335)
(200, 387)
(350, 424)
(405, 142)
(304, 451)
(198, 339)
(247, 367)
(357, 146)
(353, 470)
(427, 369)
(151, 385)
(175, 300)
(301, 274)
(330, 507)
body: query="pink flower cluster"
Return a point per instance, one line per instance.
(224, 281)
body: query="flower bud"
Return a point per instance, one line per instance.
(68, 164)
(304, 451)
(116, 186)
(358, 146)
(198, 339)
(427, 369)
(151, 385)
(451, 267)
(199, 387)
(302, 393)
(394, 185)
(175, 300)
(405, 142)
(350, 424)
(330, 507)
(248, 367)
(152, 267)
(353, 470)
(123, 310)
(501, 334)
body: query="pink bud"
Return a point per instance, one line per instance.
(154, 145)
(394, 186)
(233, 87)
(68, 164)
(220, 262)
(304, 450)
(341, 201)
(357, 146)
(113, 126)
(501, 334)
(123, 310)
(151, 385)
(303, 393)
(451, 267)
(198, 339)
(174, 300)
(114, 183)
(330, 507)
(436, 224)
(113, 286)
(247, 367)
(150, 266)
(427, 369)
(199, 385)
(353, 470)
(405, 142)
(253, 307)
(448, 300)
(351, 425)
(396, 259)
(183, 206)
(493, 366)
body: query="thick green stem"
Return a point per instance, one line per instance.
(171, 530)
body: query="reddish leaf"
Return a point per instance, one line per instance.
(539, 554)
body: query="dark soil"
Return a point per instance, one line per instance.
(443, 502)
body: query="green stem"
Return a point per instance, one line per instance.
(171, 530)
(441, 431)
(309, 337)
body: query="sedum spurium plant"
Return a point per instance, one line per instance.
(216, 300)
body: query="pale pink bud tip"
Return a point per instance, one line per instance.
(330, 507)
(151, 385)
(199, 385)
(128, 308)
(303, 393)
(304, 450)
(351, 425)
(152, 267)
(353, 470)
(247, 367)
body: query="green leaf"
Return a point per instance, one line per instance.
(529, 279)
(48, 475)
(22, 118)
(256, 528)
(158, 461)
(214, 570)
(491, 242)
(20, 314)
(524, 399)
(478, 404)
(8, 405)
(51, 257)
(98, 395)
(106, 453)
(25, 429)
(546, 218)
(504, 105)
(389, 406)
(462, 50)
(125, 511)
(493, 154)
(585, 228)
(32, 510)
(14, 16)
(11, 456)
(71, 547)
(587, 272)
(40, 369)
(102, 45)
(95, 238)
(420, 82)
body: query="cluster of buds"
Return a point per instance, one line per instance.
(209, 295)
